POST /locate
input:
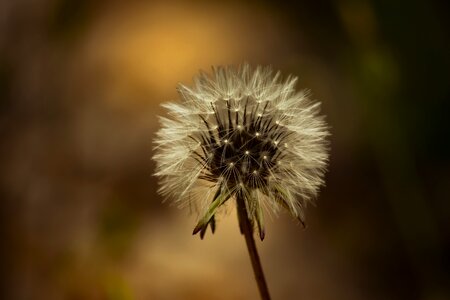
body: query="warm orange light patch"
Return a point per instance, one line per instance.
(156, 46)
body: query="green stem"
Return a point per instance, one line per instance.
(247, 230)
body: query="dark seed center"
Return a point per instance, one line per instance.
(241, 148)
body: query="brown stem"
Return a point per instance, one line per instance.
(247, 230)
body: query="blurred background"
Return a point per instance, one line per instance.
(80, 87)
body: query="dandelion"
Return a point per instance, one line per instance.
(246, 136)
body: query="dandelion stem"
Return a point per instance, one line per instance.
(247, 231)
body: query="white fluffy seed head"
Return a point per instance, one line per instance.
(209, 150)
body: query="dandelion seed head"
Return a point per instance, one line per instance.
(210, 149)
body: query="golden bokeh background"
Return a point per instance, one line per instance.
(81, 83)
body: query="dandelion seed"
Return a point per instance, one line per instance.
(238, 106)
(190, 156)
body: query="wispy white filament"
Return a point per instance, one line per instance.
(242, 131)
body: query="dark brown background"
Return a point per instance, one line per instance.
(80, 88)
